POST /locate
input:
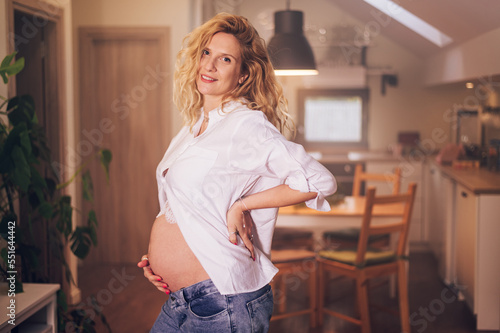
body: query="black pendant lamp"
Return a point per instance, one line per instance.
(289, 49)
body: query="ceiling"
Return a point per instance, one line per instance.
(459, 19)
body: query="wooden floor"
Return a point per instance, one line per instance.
(131, 304)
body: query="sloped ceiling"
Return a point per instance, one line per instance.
(461, 20)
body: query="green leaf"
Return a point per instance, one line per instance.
(3, 254)
(51, 186)
(21, 174)
(4, 224)
(30, 254)
(7, 69)
(87, 187)
(92, 224)
(61, 300)
(37, 181)
(35, 198)
(92, 218)
(7, 60)
(18, 285)
(22, 110)
(13, 139)
(24, 140)
(45, 210)
(6, 164)
(80, 242)
(106, 158)
(65, 212)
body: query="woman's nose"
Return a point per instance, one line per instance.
(209, 64)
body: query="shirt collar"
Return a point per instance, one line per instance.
(218, 113)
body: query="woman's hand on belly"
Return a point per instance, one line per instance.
(156, 280)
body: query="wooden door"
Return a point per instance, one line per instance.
(124, 106)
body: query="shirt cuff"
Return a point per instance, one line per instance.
(299, 182)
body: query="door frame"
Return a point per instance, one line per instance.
(50, 12)
(54, 14)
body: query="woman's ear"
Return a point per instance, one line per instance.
(242, 79)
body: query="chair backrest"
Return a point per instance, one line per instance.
(401, 227)
(360, 176)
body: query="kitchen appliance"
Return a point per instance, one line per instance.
(468, 127)
(344, 175)
(466, 131)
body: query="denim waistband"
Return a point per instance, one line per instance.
(185, 295)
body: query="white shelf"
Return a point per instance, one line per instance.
(35, 309)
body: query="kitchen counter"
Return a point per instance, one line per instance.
(356, 156)
(478, 181)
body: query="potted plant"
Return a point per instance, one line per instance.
(28, 182)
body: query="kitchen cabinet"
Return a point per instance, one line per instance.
(410, 172)
(463, 227)
(438, 226)
(466, 243)
(476, 255)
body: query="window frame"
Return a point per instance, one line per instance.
(325, 146)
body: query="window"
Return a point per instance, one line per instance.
(332, 120)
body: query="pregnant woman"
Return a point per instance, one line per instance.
(220, 184)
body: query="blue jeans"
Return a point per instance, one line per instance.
(201, 308)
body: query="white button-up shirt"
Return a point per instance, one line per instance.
(240, 153)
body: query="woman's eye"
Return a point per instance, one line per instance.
(205, 52)
(226, 59)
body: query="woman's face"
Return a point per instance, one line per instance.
(220, 69)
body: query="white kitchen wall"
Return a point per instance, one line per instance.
(408, 107)
(475, 58)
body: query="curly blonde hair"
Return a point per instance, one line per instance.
(260, 91)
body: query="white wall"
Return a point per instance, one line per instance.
(478, 57)
(408, 107)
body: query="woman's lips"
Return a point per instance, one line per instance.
(206, 78)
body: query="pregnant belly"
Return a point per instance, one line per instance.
(171, 258)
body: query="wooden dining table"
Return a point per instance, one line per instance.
(343, 214)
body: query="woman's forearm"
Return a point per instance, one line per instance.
(241, 224)
(279, 196)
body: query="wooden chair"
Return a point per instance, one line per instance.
(390, 179)
(292, 254)
(347, 238)
(364, 263)
(295, 264)
(292, 238)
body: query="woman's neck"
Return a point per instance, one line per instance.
(207, 107)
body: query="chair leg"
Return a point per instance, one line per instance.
(313, 293)
(362, 297)
(403, 297)
(281, 283)
(321, 292)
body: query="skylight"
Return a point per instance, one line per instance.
(411, 21)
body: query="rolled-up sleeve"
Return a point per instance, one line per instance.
(270, 154)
